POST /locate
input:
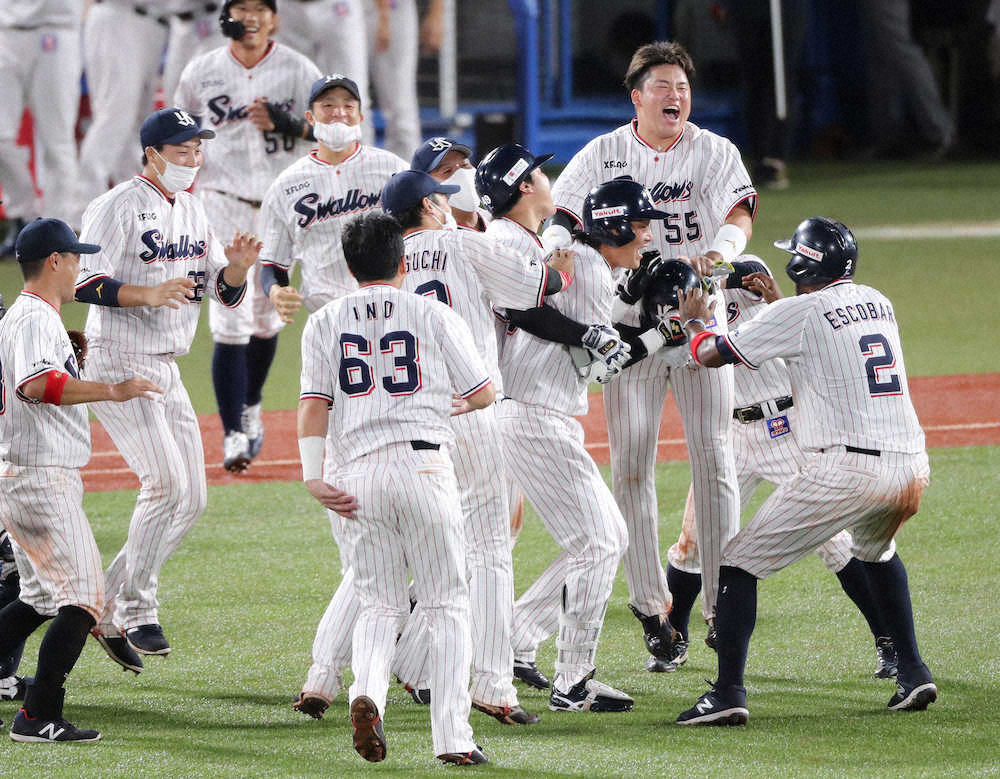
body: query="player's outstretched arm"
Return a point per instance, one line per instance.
(61, 389)
(728, 244)
(474, 402)
(695, 312)
(312, 417)
(105, 291)
(242, 253)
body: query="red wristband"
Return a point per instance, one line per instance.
(696, 342)
(55, 381)
(566, 279)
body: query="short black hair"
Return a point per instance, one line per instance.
(373, 246)
(413, 216)
(157, 148)
(32, 269)
(653, 54)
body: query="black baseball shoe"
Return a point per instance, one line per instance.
(369, 737)
(12, 688)
(508, 715)
(680, 655)
(913, 695)
(148, 640)
(527, 672)
(30, 730)
(311, 704)
(420, 695)
(712, 639)
(588, 694)
(118, 649)
(717, 707)
(887, 662)
(475, 757)
(658, 635)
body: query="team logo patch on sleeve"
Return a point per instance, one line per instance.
(778, 426)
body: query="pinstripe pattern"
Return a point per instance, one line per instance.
(36, 13)
(161, 442)
(304, 214)
(394, 75)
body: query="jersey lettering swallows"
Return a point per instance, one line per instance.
(668, 192)
(311, 209)
(223, 110)
(184, 248)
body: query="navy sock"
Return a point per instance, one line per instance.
(17, 621)
(260, 355)
(892, 592)
(735, 617)
(854, 579)
(684, 588)
(62, 644)
(229, 377)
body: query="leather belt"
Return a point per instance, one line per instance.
(749, 414)
(418, 445)
(189, 16)
(859, 450)
(252, 203)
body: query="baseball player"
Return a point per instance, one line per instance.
(11, 685)
(390, 416)
(765, 431)
(393, 42)
(39, 70)
(44, 441)
(252, 92)
(865, 468)
(448, 161)
(194, 30)
(699, 179)
(159, 259)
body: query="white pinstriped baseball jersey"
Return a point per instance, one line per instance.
(146, 240)
(305, 211)
(845, 360)
(40, 13)
(33, 342)
(698, 181)
(542, 373)
(389, 361)
(219, 89)
(471, 273)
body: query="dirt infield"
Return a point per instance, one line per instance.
(954, 410)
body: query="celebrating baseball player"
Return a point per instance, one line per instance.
(44, 441)
(252, 93)
(159, 258)
(448, 161)
(698, 178)
(865, 467)
(387, 363)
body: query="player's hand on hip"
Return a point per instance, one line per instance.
(764, 285)
(562, 260)
(136, 387)
(171, 293)
(259, 116)
(694, 305)
(286, 301)
(242, 253)
(702, 263)
(335, 500)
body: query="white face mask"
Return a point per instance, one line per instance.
(337, 135)
(448, 223)
(176, 178)
(466, 198)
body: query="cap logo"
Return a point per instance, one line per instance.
(184, 118)
(806, 251)
(439, 144)
(514, 173)
(335, 76)
(607, 213)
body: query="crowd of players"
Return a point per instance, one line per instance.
(423, 449)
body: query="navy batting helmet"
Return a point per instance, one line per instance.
(501, 172)
(661, 293)
(610, 209)
(822, 250)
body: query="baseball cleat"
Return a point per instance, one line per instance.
(12, 688)
(887, 662)
(421, 695)
(680, 656)
(475, 757)
(713, 708)
(913, 697)
(253, 427)
(658, 634)
(588, 694)
(118, 649)
(508, 715)
(369, 737)
(311, 704)
(148, 640)
(712, 639)
(30, 730)
(235, 452)
(527, 672)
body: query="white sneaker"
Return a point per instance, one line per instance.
(235, 452)
(253, 427)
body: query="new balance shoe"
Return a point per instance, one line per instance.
(716, 707)
(311, 704)
(34, 730)
(887, 662)
(148, 640)
(12, 688)
(913, 696)
(527, 672)
(680, 656)
(118, 649)
(235, 452)
(475, 757)
(659, 635)
(253, 427)
(588, 694)
(508, 715)
(369, 737)
(421, 695)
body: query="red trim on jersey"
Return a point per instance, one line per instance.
(696, 342)
(634, 124)
(38, 297)
(157, 187)
(351, 156)
(377, 284)
(316, 396)
(270, 48)
(21, 396)
(91, 280)
(533, 235)
(570, 214)
(753, 206)
(737, 352)
(474, 390)
(417, 231)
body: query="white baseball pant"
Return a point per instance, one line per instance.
(394, 75)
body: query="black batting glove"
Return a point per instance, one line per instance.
(635, 283)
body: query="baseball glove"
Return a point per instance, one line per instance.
(79, 341)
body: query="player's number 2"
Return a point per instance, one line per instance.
(880, 358)
(356, 375)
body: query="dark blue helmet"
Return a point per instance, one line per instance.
(501, 172)
(822, 250)
(610, 209)
(661, 291)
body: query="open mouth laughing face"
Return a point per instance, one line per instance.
(663, 103)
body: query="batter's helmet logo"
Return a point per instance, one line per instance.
(610, 209)
(805, 251)
(512, 175)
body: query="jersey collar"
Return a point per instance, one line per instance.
(513, 222)
(634, 126)
(270, 49)
(36, 296)
(152, 185)
(315, 158)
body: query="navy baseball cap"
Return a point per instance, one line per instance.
(329, 82)
(404, 190)
(38, 239)
(432, 151)
(171, 126)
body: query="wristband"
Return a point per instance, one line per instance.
(696, 342)
(566, 279)
(652, 339)
(697, 319)
(311, 449)
(55, 382)
(730, 242)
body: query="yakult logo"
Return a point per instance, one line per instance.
(607, 213)
(807, 251)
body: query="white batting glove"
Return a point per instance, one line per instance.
(675, 357)
(606, 345)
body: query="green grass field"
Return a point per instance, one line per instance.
(242, 596)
